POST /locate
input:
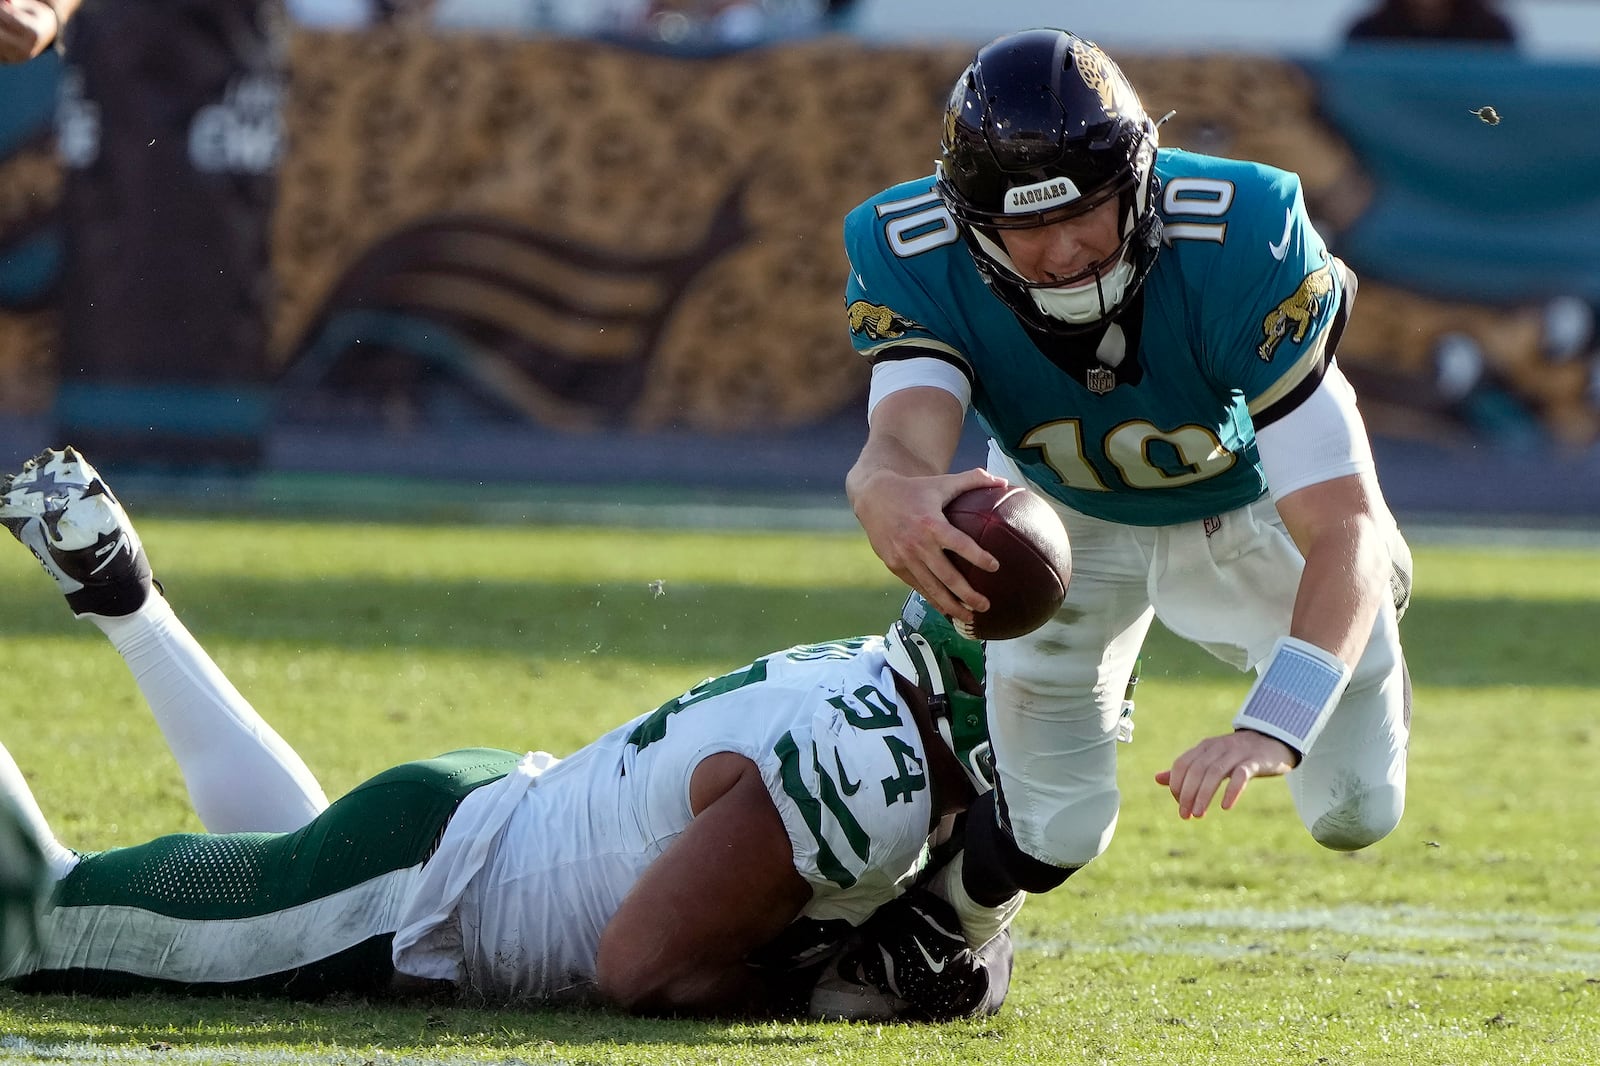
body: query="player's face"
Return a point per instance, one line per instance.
(1065, 251)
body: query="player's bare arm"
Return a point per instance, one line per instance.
(28, 27)
(898, 488)
(1342, 528)
(726, 886)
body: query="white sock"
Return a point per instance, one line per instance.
(14, 787)
(242, 776)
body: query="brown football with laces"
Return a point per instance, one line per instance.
(1025, 534)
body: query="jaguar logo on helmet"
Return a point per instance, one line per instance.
(1104, 77)
(877, 321)
(1293, 317)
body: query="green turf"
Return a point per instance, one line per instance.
(1470, 936)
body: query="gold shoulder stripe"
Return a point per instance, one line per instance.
(935, 349)
(1303, 366)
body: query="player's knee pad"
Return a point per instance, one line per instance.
(1062, 826)
(1401, 573)
(1061, 808)
(1360, 817)
(1078, 833)
(995, 868)
(1351, 806)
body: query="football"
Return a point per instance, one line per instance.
(1025, 534)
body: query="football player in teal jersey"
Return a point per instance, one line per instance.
(779, 839)
(1147, 336)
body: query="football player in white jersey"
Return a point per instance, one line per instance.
(833, 771)
(1147, 336)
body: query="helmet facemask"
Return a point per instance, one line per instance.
(924, 648)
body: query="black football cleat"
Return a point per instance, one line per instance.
(58, 506)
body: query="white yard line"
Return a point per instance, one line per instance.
(1405, 936)
(19, 1049)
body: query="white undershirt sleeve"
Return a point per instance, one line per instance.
(893, 375)
(1321, 439)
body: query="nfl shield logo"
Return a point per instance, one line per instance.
(1100, 380)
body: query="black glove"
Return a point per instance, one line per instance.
(913, 962)
(793, 961)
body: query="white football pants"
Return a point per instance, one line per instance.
(1056, 694)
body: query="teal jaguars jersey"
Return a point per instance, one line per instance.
(1231, 328)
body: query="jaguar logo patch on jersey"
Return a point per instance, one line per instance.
(877, 321)
(1293, 317)
(1102, 75)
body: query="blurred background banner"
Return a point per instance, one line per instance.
(169, 139)
(1463, 209)
(614, 258)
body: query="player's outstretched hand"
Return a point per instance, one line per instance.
(26, 29)
(1235, 758)
(904, 520)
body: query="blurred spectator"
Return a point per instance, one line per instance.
(569, 17)
(724, 22)
(692, 24)
(337, 14)
(1434, 20)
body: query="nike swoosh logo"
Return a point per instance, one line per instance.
(1279, 249)
(847, 786)
(936, 967)
(106, 554)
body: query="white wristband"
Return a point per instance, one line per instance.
(1295, 695)
(979, 924)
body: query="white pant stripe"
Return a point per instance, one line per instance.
(134, 940)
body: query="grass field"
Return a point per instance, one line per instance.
(1470, 936)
